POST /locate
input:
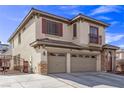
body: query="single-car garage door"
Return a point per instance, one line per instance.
(81, 63)
(56, 63)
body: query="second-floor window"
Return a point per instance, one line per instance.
(13, 44)
(51, 27)
(94, 38)
(19, 38)
(75, 30)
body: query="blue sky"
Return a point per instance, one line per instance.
(11, 16)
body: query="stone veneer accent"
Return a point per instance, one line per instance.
(43, 68)
(103, 61)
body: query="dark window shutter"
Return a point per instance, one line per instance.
(60, 29)
(53, 28)
(100, 40)
(44, 26)
(75, 30)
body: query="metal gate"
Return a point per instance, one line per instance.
(25, 67)
(5, 62)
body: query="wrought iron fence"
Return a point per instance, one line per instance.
(5, 62)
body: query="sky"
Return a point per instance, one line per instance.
(11, 17)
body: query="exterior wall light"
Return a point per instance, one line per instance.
(44, 53)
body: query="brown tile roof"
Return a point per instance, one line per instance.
(111, 46)
(62, 44)
(55, 43)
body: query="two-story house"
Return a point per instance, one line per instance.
(53, 44)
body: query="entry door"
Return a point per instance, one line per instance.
(0, 62)
(109, 62)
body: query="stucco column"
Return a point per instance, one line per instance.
(98, 65)
(12, 63)
(44, 56)
(43, 64)
(113, 60)
(68, 63)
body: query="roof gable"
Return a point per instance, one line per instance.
(39, 12)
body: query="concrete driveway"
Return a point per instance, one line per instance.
(74, 80)
(91, 80)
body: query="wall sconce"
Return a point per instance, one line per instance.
(44, 53)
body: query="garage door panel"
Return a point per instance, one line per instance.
(57, 64)
(80, 64)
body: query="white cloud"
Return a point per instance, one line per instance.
(70, 9)
(121, 46)
(75, 12)
(104, 17)
(114, 22)
(106, 9)
(110, 37)
(14, 19)
(66, 7)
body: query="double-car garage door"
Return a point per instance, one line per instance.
(79, 63)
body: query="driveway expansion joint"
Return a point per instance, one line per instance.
(56, 77)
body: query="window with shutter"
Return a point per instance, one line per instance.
(75, 30)
(19, 38)
(44, 28)
(93, 36)
(100, 40)
(52, 28)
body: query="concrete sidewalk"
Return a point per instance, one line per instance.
(31, 81)
(73, 80)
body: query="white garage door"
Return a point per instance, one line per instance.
(81, 63)
(56, 63)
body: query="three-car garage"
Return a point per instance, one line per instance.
(57, 63)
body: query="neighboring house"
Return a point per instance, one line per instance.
(5, 55)
(53, 44)
(120, 60)
(120, 54)
(3, 48)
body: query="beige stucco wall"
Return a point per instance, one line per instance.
(120, 55)
(27, 52)
(82, 32)
(98, 67)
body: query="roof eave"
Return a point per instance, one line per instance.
(21, 24)
(35, 44)
(28, 16)
(91, 19)
(52, 15)
(107, 46)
